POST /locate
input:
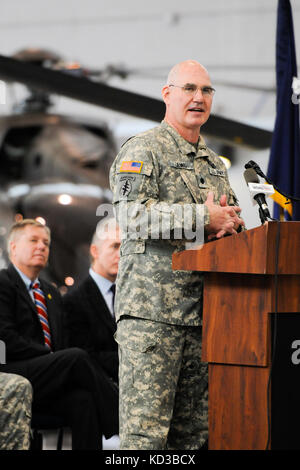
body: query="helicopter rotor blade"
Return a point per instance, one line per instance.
(80, 88)
(116, 99)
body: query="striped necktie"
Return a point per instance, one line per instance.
(41, 307)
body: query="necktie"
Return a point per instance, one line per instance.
(41, 307)
(113, 289)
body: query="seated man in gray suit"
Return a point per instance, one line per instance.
(89, 308)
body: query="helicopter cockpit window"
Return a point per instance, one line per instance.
(81, 145)
(14, 147)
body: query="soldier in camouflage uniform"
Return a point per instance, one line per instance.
(168, 187)
(15, 412)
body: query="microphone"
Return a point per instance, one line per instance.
(257, 192)
(256, 168)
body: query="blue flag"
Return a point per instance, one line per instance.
(284, 163)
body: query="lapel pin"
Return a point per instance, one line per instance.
(49, 296)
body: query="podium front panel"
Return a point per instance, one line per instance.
(238, 400)
(235, 318)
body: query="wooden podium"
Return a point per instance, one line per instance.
(249, 277)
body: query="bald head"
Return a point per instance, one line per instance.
(184, 66)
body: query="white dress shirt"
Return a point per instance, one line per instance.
(104, 286)
(28, 282)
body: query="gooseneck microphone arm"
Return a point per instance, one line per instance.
(256, 168)
(251, 177)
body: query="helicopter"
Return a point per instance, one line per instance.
(56, 168)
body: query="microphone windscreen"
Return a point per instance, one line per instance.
(251, 176)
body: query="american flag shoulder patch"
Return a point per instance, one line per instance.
(131, 167)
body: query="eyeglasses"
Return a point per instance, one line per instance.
(191, 89)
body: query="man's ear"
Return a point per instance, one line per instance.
(94, 251)
(12, 247)
(165, 93)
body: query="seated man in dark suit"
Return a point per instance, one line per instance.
(64, 381)
(89, 308)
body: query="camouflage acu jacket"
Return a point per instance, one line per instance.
(160, 183)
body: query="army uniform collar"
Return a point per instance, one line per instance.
(184, 146)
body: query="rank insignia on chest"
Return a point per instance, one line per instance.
(131, 167)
